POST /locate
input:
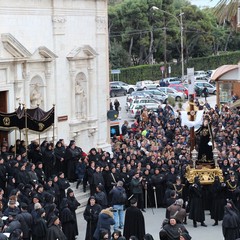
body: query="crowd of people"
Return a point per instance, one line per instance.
(146, 169)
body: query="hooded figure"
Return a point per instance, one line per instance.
(172, 230)
(73, 204)
(196, 204)
(39, 229)
(218, 191)
(54, 231)
(67, 220)
(231, 222)
(91, 214)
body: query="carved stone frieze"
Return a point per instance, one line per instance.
(101, 24)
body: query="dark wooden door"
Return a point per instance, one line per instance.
(3, 108)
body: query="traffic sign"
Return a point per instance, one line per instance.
(115, 71)
(162, 68)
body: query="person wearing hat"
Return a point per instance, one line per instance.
(26, 221)
(134, 223)
(54, 230)
(91, 214)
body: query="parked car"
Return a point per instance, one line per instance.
(198, 90)
(148, 102)
(146, 84)
(135, 95)
(171, 80)
(130, 88)
(156, 94)
(171, 92)
(135, 110)
(211, 89)
(180, 88)
(200, 74)
(117, 91)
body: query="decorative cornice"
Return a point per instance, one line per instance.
(45, 52)
(13, 46)
(88, 51)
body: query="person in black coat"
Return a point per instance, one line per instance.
(231, 222)
(63, 185)
(54, 231)
(172, 230)
(91, 214)
(134, 224)
(158, 182)
(73, 204)
(218, 196)
(101, 196)
(196, 204)
(72, 155)
(67, 220)
(3, 171)
(39, 230)
(26, 221)
(49, 160)
(59, 152)
(40, 173)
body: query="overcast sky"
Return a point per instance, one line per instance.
(202, 3)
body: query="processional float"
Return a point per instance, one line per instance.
(205, 160)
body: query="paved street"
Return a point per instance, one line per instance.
(153, 221)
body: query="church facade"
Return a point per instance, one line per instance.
(55, 52)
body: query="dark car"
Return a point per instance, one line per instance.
(117, 91)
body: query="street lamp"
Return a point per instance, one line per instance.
(180, 22)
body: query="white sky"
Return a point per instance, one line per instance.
(202, 3)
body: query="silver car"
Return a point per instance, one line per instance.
(211, 89)
(171, 92)
(158, 95)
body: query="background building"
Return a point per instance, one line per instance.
(56, 52)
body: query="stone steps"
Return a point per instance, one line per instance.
(81, 196)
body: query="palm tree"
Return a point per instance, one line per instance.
(227, 10)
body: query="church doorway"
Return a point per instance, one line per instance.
(3, 108)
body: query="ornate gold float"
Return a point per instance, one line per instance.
(205, 174)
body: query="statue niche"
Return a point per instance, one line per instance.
(36, 95)
(80, 97)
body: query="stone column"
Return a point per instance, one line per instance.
(72, 73)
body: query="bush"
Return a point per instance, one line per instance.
(172, 101)
(152, 72)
